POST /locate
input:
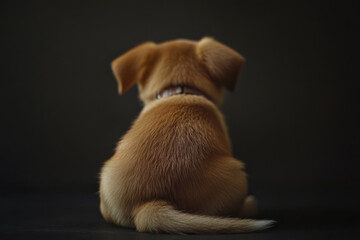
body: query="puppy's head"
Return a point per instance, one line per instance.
(206, 65)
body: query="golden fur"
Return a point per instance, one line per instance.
(173, 170)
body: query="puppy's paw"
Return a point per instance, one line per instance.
(249, 208)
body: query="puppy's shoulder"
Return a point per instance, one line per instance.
(181, 109)
(187, 119)
(180, 103)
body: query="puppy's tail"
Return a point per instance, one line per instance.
(159, 216)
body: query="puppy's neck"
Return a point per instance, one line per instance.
(180, 89)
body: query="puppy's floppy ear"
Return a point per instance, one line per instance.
(222, 62)
(132, 66)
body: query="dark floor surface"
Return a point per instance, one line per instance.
(76, 216)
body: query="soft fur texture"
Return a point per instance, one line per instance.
(173, 170)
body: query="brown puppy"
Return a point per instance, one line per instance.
(173, 170)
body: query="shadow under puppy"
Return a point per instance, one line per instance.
(173, 170)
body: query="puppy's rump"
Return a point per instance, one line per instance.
(159, 216)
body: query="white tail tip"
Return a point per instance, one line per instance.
(263, 224)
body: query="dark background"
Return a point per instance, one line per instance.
(293, 118)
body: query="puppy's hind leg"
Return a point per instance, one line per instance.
(249, 207)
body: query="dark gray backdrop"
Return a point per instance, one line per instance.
(293, 118)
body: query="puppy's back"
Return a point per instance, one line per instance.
(169, 142)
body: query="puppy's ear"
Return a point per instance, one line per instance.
(132, 66)
(222, 62)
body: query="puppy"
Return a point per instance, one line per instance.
(173, 170)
